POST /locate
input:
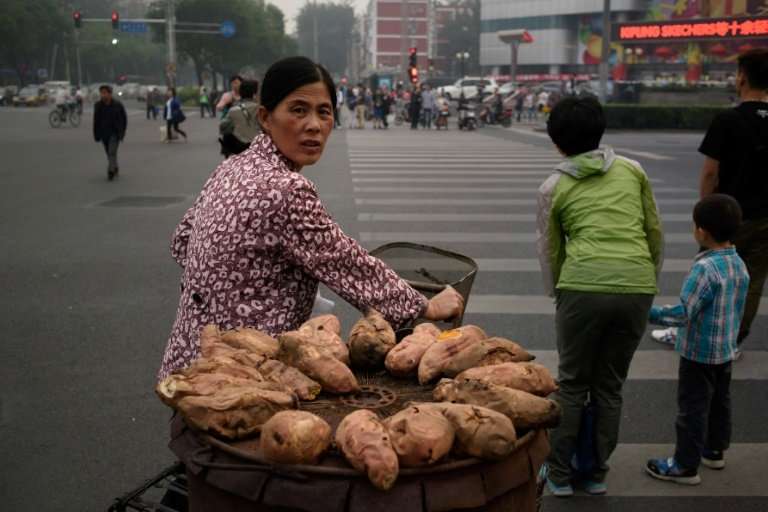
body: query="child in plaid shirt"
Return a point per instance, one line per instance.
(708, 315)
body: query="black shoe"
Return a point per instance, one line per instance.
(110, 175)
(713, 459)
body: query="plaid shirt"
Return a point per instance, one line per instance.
(710, 309)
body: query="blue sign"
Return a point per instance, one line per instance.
(133, 27)
(227, 29)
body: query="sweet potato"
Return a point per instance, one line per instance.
(531, 377)
(365, 443)
(295, 437)
(480, 432)
(370, 340)
(449, 343)
(210, 337)
(298, 351)
(420, 436)
(252, 340)
(328, 323)
(327, 342)
(223, 365)
(234, 411)
(485, 353)
(279, 372)
(404, 358)
(428, 328)
(524, 409)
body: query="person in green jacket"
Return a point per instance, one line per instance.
(600, 247)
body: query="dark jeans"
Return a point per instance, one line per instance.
(205, 107)
(752, 246)
(704, 410)
(110, 148)
(415, 113)
(597, 335)
(175, 126)
(151, 112)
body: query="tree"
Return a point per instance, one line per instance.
(331, 24)
(29, 28)
(463, 33)
(259, 40)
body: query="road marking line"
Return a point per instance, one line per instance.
(484, 190)
(481, 202)
(542, 305)
(515, 264)
(477, 217)
(663, 364)
(451, 165)
(643, 154)
(536, 181)
(489, 238)
(453, 172)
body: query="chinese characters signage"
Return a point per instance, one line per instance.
(728, 28)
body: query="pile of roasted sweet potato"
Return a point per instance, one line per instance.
(246, 382)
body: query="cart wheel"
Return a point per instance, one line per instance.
(54, 119)
(74, 118)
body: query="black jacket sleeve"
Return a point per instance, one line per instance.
(122, 122)
(96, 111)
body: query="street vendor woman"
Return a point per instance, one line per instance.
(258, 240)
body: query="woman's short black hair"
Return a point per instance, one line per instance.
(719, 215)
(754, 65)
(249, 89)
(287, 75)
(236, 77)
(105, 87)
(577, 125)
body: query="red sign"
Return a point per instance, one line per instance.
(722, 28)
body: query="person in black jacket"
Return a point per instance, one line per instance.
(109, 125)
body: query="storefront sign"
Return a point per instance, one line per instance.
(723, 28)
(544, 77)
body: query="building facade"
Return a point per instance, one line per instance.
(390, 28)
(568, 38)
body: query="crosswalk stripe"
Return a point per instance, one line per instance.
(488, 190)
(422, 201)
(448, 164)
(489, 238)
(662, 364)
(542, 305)
(477, 217)
(469, 159)
(486, 265)
(450, 172)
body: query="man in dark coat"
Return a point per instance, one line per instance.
(109, 125)
(415, 107)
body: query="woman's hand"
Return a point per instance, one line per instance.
(445, 305)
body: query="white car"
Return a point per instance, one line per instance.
(469, 86)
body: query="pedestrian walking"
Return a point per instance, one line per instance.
(709, 317)
(341, 99)
(360, 106)
(600, 247)
(205, 103)
(151, 103)
(378, 109)
(241, 124)
(427, 105)
(352, 106)
(109, 126)
(415, 107)
(736, 163)
(229, 98)
(519, 105)
(386, 107)
(529, 104)
(173, 115)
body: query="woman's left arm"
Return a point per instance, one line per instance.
(316, 243)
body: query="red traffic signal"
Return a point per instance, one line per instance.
(78, 18)
(413, 57)
(115, 20)
(412, 50)
(413, 74)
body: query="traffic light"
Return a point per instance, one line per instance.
(413, 74)
(78, 18)
(413, 57)
(115, 20)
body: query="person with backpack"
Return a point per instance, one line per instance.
(241, 124)
(736, 163)
(173, 116)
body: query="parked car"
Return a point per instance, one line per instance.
(30, 96)
(469, 86)
(7, 93)
(54, 86)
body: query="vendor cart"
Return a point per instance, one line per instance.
(226, 476)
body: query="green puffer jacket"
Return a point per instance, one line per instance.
(598, 226)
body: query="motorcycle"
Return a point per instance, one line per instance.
(467, 119)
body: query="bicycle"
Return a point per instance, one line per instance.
(62, 114)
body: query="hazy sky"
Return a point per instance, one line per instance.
(291, 9)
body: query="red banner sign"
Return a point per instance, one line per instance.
(723, 28)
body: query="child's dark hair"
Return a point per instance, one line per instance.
(754, 65)
(576, 125)
(287, 75)
(719, 215)
(249, 89)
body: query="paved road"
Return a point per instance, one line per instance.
(90, 293)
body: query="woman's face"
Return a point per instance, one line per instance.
(301, 123)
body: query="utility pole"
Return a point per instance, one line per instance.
(53, 61)
(77, 57)
(606, 51)
(170, 34)
(403, 40)
(316, 54)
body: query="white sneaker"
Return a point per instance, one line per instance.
(665, 336)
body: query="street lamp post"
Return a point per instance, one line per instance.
(462, 57)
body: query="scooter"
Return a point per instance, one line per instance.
(442, 118)
(467, 119)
